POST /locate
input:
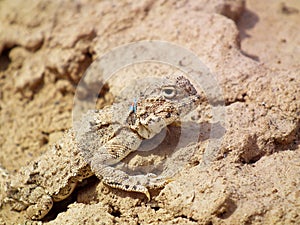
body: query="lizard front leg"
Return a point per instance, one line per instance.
(113, 152)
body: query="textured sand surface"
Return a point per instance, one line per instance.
(252, 48)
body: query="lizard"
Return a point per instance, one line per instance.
(97, 142)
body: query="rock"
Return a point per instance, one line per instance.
(251, 177)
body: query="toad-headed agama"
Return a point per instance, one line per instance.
(97, 142)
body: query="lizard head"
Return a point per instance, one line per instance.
(166, 103)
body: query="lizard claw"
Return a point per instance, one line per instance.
(147, 193)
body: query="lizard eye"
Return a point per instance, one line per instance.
(169, 92)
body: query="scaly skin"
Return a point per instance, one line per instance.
(99, 141)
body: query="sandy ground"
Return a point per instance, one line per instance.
(253, 49)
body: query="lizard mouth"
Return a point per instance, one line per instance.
(188, 104)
